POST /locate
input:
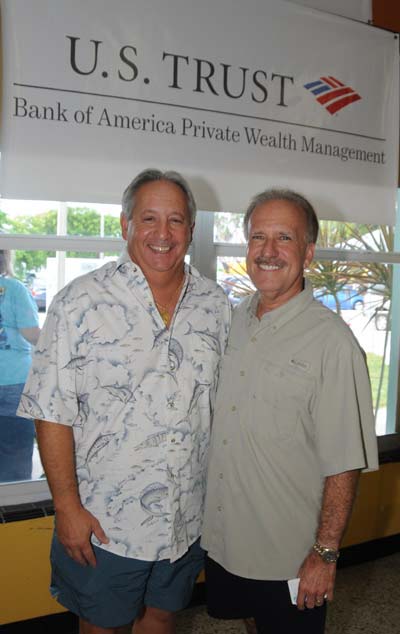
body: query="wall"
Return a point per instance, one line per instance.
(25, 570)
(25, 545)
(386, 14)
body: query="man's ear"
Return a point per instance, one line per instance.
(309, 255)
(124, 225)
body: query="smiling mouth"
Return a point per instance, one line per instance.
(159, 248)
(269, 264)
(270, 267)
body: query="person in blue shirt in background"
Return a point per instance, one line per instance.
(19, 328)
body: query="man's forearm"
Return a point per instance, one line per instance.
(56, 447)
(74, 524)
(317, 577)
(337, 502)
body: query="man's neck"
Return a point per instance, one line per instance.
(268, 303)
(166, 294)
(164, 283)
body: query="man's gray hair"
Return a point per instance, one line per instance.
(6, 263)
(291, 197)
(149, 176)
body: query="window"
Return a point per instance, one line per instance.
(50, 243)
(356, 273)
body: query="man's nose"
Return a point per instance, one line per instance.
(269, 247)
(163, 228)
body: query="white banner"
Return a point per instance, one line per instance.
(354, 9)
(238, 96)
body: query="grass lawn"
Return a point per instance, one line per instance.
(374, 366)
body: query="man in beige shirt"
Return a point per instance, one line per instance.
(293, 427)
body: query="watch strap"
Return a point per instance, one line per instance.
(329, 555)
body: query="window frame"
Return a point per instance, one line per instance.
(204, 253)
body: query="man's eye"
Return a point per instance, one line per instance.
(177, 221)
(257, 236)
(284, 237)
(148, 218)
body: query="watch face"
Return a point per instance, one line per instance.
(330, 556)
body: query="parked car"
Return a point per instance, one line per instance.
(38, 291)
(348, 298)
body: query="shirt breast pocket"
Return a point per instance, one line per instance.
(281, 400)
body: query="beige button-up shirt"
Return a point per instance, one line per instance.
(293, 406)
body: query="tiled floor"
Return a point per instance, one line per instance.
(367, 601)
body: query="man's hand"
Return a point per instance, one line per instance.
(317, 580)
(74, 525)
(74, 530)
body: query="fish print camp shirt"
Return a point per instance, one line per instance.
(139, 398)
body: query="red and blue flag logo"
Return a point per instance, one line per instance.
(332, 94)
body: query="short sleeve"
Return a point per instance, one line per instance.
(343, 414)
(25, 309)
(50, 391)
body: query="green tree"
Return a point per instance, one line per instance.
(227, 227)
(112, 228)
(330, 275)
(81, 221)
(44, 224)
(333, 276)
(4, 222)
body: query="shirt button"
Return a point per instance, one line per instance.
(171, 405)
(221, 476)
(233, 408)
(173, 440)
(219, 508)
(241, 372)
(253, 339)
(224, 442)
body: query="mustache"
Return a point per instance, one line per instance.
(269, 261)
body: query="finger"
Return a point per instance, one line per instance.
(319, 601)
(76, 555)
(89, 555)
(100, 534)
(301, 599)
(310, 601)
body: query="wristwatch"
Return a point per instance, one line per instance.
(328, 555)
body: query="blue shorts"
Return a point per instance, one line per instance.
(114, 592)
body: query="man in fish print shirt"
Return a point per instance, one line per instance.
(122, 389)
(293, 427)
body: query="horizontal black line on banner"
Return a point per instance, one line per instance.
(198, 108)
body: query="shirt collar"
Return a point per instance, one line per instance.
(285, 313)
(124, 258)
